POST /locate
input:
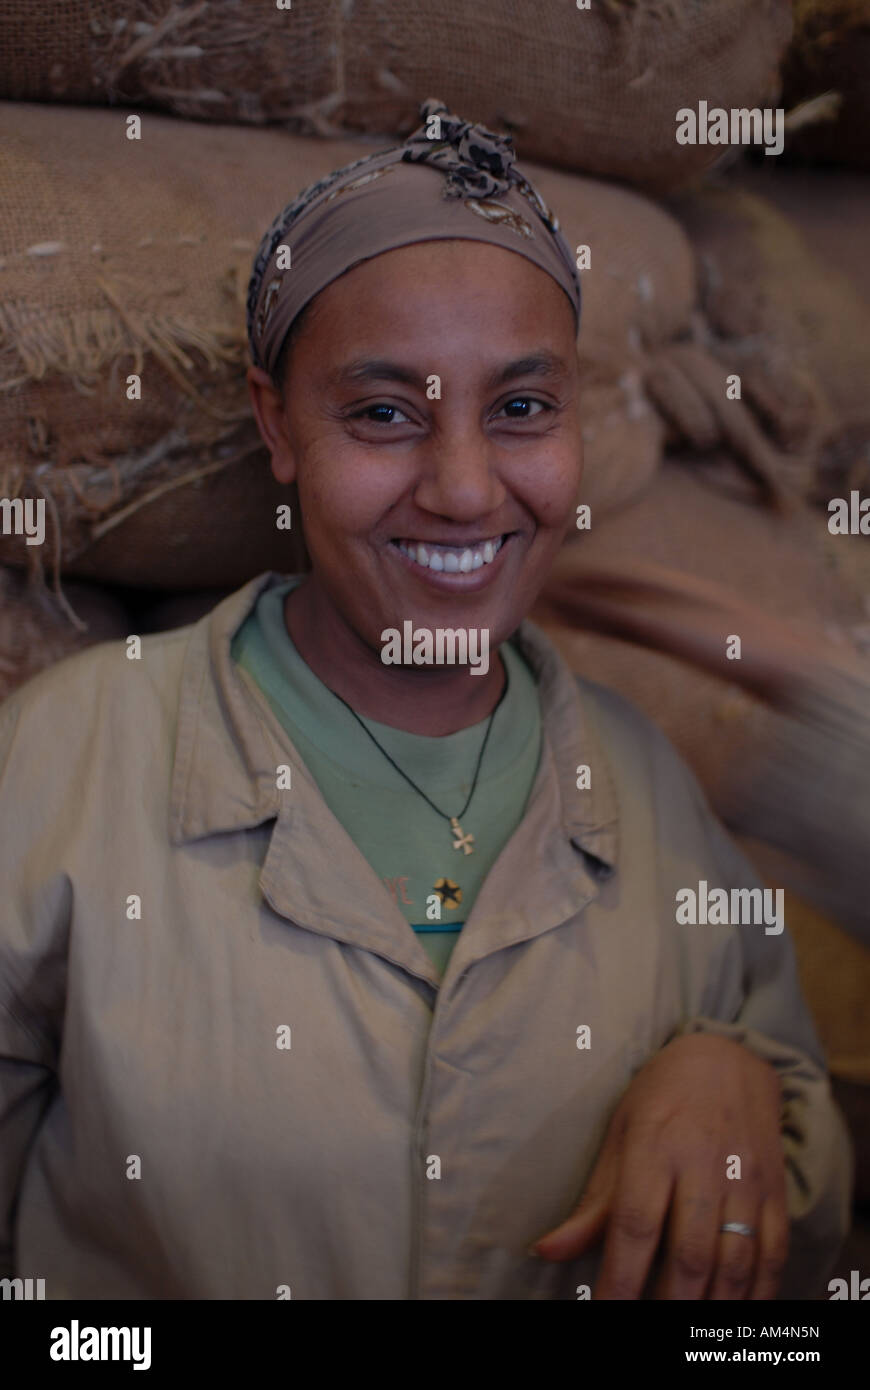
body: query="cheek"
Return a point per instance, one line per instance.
(343, 492)
(549, 490)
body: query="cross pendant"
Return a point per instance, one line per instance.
(463, 842)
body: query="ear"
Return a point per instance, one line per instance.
(271, 420)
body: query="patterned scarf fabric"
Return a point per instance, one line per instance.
(391, 199)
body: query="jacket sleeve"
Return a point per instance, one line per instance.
(32, 971)
(773, 1021)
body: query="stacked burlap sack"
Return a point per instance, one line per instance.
(595, 89)
(119, 258)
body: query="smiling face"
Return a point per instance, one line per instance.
(445, 511)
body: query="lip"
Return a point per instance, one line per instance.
(458, 582)
(455, 545)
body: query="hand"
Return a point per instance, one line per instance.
(697, 1102)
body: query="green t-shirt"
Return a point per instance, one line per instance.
(408, 844)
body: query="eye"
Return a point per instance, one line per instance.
(525, 401)
(381, 406)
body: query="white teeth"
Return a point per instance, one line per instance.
(452, 561)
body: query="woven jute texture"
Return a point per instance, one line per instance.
(123, 257)
(595, 90)
(119, 258)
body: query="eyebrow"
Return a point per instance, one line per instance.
(362, 369)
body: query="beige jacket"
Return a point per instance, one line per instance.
(157, 1142)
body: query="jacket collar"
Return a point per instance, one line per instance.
(222, 777)
(228, 748)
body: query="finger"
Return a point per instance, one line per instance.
(773, 1249)
(586, 1223)
(584, 1227)
(693, 1239)
(638, 1214)
(736, 1258)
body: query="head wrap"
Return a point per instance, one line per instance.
(464, 184)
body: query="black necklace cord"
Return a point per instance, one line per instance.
(405, 775)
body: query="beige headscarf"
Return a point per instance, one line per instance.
(449, 179)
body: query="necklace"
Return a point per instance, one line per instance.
(460, 841)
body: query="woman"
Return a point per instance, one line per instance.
(335, 971)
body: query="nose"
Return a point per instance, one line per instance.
(460, 475)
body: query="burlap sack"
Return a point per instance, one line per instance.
(791, 568)
(787, 321)
(174, 490)
(830, 53)
(831, 209)
(595, 89)
(35, 627)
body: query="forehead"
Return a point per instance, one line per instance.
(450, 285)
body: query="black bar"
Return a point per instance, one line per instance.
(250, 1338)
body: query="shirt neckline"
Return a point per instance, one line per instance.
(316, 711)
